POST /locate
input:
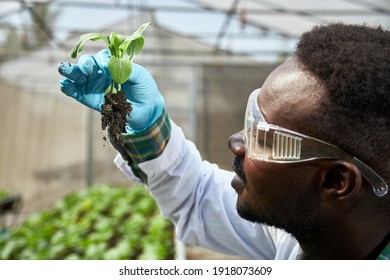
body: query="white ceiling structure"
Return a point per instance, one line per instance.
(290, 18)
(276, 23)
(296, 16)
(262, 30)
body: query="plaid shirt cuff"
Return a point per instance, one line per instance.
(148, 144)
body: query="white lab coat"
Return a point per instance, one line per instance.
(197, 196)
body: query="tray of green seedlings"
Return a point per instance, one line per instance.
(97, 223)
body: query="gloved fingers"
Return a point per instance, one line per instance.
(91, 100)
(68, 87)
(139, 75)
(72, 72)
(140, 116)
(87, 65)
(141, 87)
(101, 59)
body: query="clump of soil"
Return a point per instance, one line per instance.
(114, 111)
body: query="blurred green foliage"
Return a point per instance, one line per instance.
(3, 194)
(98, 223)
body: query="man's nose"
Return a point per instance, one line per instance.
(236, 144)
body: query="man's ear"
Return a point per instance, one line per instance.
(339, 179)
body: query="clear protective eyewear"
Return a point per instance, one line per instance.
(272, 143)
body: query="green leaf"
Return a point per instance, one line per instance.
(115, 41)
(141, 29)
(133, 44)
(133, 47)
(84, 38)
(118, 45)
(120, 69)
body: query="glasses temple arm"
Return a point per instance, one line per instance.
(378, 184)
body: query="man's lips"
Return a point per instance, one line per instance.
(238, 182)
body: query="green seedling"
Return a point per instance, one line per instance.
(123, 50)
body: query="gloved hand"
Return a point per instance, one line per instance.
(87, 81)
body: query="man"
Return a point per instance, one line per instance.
(311, 165)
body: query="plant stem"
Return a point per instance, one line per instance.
(112, 87)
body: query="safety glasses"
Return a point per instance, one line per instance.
(271, 143)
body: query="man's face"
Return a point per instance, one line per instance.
(273, 193)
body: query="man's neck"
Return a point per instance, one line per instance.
(378, 249)
(354, 246)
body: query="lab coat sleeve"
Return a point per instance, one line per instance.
(198, 198)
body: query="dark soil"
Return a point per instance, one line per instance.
(114, 111)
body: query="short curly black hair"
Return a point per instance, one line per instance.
(353, 64)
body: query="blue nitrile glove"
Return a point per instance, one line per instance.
(87, 81)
